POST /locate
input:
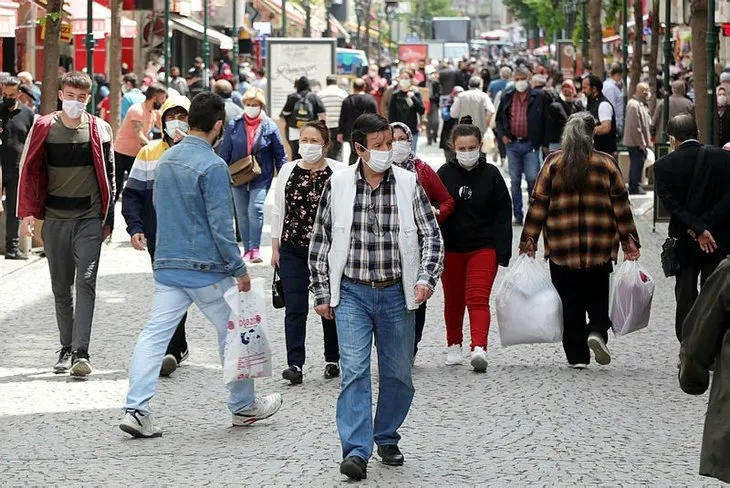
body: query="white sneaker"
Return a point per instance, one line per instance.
(599, 348)
(454, 355)
(578, 366)
(137, 424)
(263, 408)
(479, 359)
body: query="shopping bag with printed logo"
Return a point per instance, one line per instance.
(247, 353)
(529, 309)
(632, 291)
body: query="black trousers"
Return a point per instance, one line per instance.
(12, 223)
(582, 291)
(420, 322)
(335, 150)
(685, 290)
(637, 157)
(294, 273)
(294, 145)
(178, 344)
(122, 164)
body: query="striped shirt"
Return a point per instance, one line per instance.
(582, 230)
(73, 188)
(332, 98)
(374, 253)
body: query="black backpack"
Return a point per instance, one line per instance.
(303, 112)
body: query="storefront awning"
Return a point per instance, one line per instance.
(102, 20)
(8, 18)
(292, 14)
(195, 29)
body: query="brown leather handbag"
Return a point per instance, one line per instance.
(244, 170)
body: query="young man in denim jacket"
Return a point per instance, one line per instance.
(192, 170)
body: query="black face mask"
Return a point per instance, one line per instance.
(157, 105)
(9, 102)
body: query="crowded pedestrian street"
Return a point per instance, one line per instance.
(530, 420)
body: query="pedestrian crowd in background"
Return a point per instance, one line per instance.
(369, 239)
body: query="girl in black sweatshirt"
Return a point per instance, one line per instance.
(478, 238)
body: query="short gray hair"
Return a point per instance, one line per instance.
(523, 70)
(505, 73)
(475, 82)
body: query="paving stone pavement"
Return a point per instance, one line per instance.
(529, 421)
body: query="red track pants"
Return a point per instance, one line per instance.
(467, 280)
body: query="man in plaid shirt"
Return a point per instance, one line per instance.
(375, 255)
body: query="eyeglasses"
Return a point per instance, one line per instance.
(373, 221)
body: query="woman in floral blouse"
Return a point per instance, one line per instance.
(296, 199)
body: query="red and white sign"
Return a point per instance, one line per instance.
(412, 53)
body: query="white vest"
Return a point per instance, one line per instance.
(343, 187)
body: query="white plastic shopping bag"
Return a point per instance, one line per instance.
(529, 309)
(247, 353)
(632, 290)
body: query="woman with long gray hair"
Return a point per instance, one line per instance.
(581, 202)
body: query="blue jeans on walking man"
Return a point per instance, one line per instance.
(168, 307)
(523, 158)
(363, 312)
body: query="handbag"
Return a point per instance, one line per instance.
(670, 256)
(244, 170)
(277, 290)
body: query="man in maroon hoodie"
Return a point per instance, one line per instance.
(67, 180)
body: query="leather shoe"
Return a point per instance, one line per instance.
(391, 455)
(354, 468)
(16, 254)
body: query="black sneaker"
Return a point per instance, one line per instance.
(293, 374)
(169, 365)
(64, 361)
(80, 364)
(16, 254)
(331, 370)
(183, 356)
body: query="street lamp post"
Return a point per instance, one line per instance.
(90, 51)
(667, 58)
(711, 43)
(328, 18)
(234, 35)
(585, 32)
(391, 7)
(283, 18)
(206, 44)
(358, 14)
(166, 44)
(625, 50)
(308, 18)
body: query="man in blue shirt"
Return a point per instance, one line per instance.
(133, 94)
(496, 86)
(612, 90)
(197, 265)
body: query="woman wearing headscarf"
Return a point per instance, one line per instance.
(256, 134)
(438, 195)
(581, 202)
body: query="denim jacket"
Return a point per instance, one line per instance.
(194, 204)
(267, 147)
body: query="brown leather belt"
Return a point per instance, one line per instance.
(376, 284)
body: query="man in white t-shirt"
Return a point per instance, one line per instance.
(604, 138)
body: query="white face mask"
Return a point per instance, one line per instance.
(380, 161)
(404, 84)
(251, 111)
(171, 125)
(310, 152)
(468, 159)
(73, 108)
(721, 100)
(522, 86)
(401, 150)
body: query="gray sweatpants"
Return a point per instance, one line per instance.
(73, 248)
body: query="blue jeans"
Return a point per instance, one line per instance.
(523, 159)
(414, 143)
(168, 307)
(249, 204)
(362, 312)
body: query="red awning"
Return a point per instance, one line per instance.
(102, 20)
